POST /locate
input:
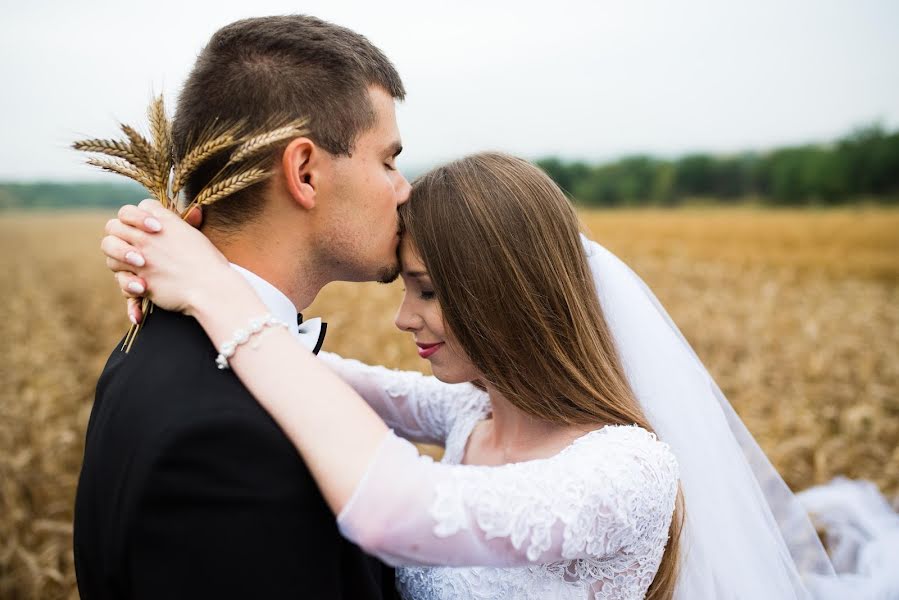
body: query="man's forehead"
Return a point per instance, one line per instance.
(384, 136)
(383, 103)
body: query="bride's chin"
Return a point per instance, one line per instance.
(447, 375)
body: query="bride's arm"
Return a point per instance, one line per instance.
(418, 407)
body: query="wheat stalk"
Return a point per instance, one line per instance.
(233, 176)
(110, 148)
(151, 163)
(161, 129)
(122, 168)
(231, 185)
(256, 144)
(141, 147)
(200, 154)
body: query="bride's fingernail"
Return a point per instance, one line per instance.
(133, 258)
(133, 319)
(135, 288)
(152, 224)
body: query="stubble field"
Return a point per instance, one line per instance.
(795, 313)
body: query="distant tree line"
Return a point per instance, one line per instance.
(18, 196)
(862, 164)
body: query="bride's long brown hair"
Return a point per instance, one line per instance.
(501, 243)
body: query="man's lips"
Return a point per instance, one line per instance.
(427, 350)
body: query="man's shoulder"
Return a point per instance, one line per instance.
(165, 407)
(169, 338)
(169, 380)
(170, 352)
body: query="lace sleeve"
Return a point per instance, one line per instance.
(418, 407)
(611, 491)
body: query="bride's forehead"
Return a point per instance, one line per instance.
(410, 260)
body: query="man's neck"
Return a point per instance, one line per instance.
(276, 263)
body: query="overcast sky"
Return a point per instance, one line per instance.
(593, 80)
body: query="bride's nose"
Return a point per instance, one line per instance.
(407, 319)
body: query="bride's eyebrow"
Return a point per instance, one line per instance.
(416, 274)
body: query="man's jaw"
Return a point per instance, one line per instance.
(389, 273)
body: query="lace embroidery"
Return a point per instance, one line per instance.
(606, 500)
(416, 406)
(610, 495)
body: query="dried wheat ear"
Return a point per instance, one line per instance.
(151, 162)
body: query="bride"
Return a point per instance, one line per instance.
(589, 454)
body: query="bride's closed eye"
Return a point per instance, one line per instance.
(424, 294)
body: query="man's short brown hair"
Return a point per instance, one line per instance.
(256, 70)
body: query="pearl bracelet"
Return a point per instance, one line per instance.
(243, 335)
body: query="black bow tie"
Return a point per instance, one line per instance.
(312, 334)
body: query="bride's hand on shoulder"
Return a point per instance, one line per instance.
(153, 253)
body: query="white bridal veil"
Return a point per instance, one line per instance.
(746, 534)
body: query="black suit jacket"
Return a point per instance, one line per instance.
(190, 490)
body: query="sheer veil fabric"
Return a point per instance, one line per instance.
(746, 535)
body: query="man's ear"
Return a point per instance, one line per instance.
(300, 164)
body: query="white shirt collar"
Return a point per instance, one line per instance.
(277, 303)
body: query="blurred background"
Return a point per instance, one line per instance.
(742, 157)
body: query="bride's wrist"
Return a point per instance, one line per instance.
(225, 300)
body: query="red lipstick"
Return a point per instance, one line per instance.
(428, 350)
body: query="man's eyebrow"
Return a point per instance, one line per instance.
(394, 149)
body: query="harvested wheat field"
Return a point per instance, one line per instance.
(796, 313)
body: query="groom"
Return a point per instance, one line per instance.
(188, 488)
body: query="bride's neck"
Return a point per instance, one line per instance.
(511, 431)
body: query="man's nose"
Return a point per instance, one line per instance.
(404, 191)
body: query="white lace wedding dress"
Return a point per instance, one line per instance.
(588, 523)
